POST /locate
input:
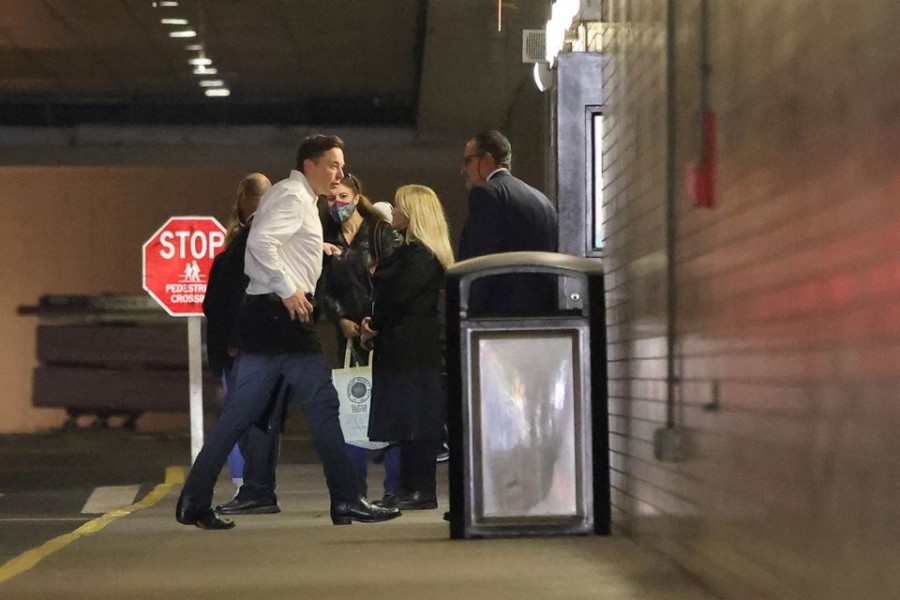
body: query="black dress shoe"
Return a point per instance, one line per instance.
(248, 507)
(188, 512)
(344, 513)
(417, 501)
(389, 500)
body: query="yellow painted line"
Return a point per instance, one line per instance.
(28, 559)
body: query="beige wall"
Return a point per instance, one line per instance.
(99, 191)
(788, 335)
(78, 229)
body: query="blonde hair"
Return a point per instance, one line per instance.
(427, 222)
(253, 185)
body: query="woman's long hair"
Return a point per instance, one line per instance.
(364, 205)
(427, 222)
(253, 185)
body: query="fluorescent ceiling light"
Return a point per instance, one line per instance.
(194, 47)
(174, 21)
(184, 33)
(219, 92)
(212, 83)
(201, 62)
(201, 70)
(169, 4)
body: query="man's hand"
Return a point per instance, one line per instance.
(349, 328)
(298, 307)
(331, 249)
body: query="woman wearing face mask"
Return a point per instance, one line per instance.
(356, 237)
(407, 395)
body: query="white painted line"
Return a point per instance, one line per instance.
(106, 499)
(29, 558)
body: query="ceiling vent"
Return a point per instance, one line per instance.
(533, 45)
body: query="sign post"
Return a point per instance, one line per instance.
(176, 263)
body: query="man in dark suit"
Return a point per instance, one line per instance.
(505, 215)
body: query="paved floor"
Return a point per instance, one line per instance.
(141, 552)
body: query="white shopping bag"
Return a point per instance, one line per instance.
(354, 388)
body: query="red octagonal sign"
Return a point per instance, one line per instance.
(177, 260)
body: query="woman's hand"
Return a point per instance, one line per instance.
(349, 328)
(366, 332)
(331, 249)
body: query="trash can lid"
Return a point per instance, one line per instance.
(526, 262)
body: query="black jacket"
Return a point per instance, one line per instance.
(407, 393)
(345, 289)
(222, 305)
(508, 215)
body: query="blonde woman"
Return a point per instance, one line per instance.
(407, 395)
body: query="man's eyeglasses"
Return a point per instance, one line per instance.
(469, 157)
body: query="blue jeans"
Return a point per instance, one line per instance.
(360, 458)
(254, 378)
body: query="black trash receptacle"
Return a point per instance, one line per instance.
(527, 403)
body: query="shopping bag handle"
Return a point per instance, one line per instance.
(348, 354)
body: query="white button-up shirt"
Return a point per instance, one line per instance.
(284, 249)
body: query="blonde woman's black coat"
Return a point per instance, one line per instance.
(407, 395)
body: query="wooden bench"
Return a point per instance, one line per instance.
(112, 356)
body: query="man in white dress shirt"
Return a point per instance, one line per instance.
(283, 261)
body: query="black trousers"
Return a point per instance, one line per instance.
(418, 466)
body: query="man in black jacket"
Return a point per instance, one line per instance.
(252, 462)
(227, 281)
(505, 215)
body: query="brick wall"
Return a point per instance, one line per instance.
(788, 295)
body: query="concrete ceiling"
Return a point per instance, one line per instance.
(283, 60)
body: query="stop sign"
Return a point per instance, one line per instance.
(176, 263)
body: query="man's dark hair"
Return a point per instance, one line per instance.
(314, 146)
(495, 143)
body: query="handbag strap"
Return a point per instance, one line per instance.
(348, 354)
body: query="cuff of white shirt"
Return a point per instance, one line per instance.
(285, 290)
